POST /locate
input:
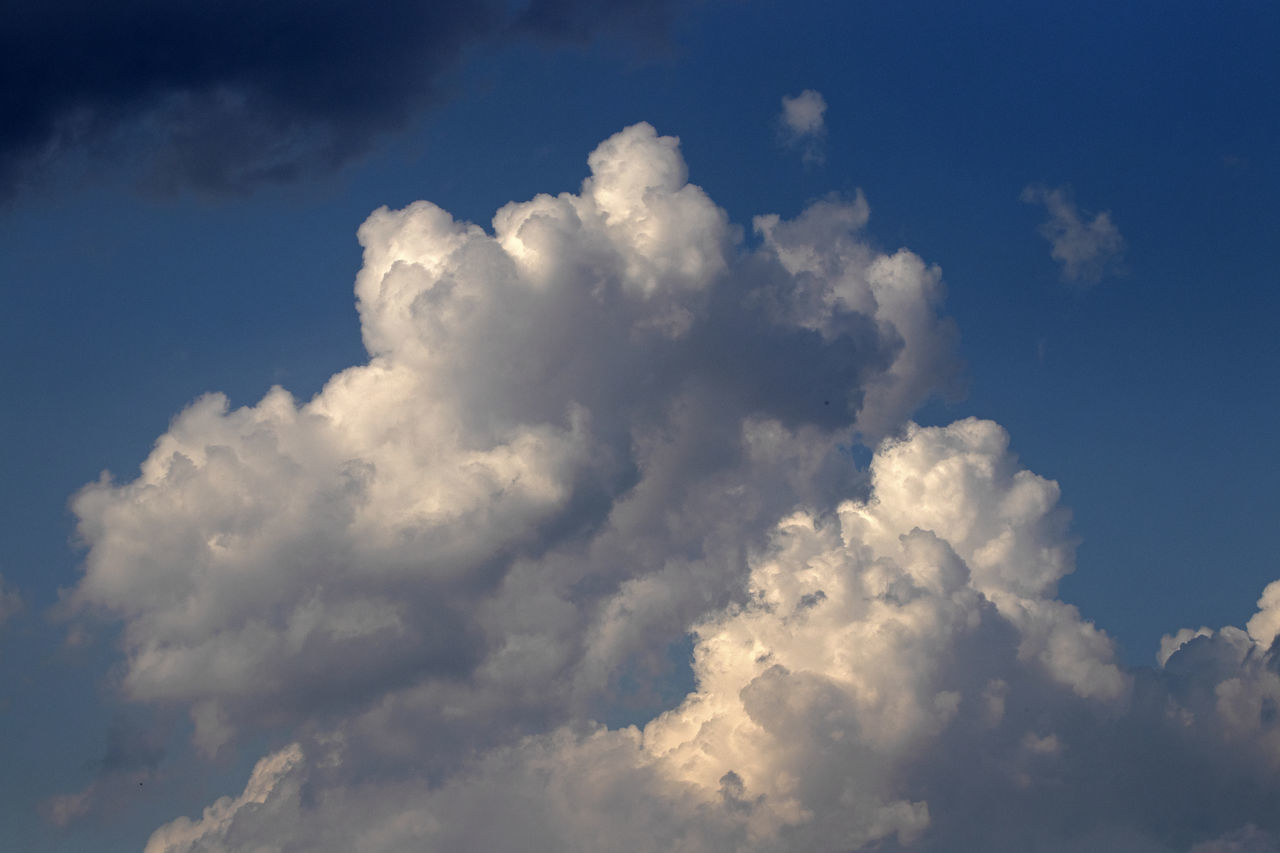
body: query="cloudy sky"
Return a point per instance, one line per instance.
(718, 426)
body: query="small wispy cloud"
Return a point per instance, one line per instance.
(804, 125)
(136, 744)
(1088, 249)
(65, 809)
(10, 600)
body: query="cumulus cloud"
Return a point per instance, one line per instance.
(1088, 249)
(226, 96)
(568, 431)
(803, 123)
(884, 685)
(605, 430)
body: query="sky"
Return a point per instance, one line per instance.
(717, 426)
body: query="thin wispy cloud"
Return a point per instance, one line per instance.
(10, 601)
(803, 123)
(1088, 249)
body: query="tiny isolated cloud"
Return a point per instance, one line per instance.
(1088, 249)
(803, 113)
(803, 123)
(10, 600)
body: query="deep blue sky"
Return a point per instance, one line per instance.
(1151, 397)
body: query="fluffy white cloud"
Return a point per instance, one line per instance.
(1264, 627)
(803, 123)
(885, 683)
(568, 431)
(1087, 250)
(840, 280)
(872, 636)
(602, 429)
(803, 113)
(270, 780)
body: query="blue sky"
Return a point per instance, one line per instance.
(149, 257)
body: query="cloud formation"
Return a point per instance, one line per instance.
(10, 601)
(226, 96)
(567, 433)
(899, 676)
(1088, 250)
(459, 575)
(804, 125)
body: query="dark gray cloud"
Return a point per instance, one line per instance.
(224, 96)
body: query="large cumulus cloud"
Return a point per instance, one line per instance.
(870, 692)
(568, 432)
(462, 575)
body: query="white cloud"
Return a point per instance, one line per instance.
(1264, 627)
(884, 684)
(599, 430)
(839, 278)
(803, 123)
(803, 113)
(1171, 643)
(1088, 249)
(270, 781)
(567, 432)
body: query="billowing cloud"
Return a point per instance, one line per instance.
(899, 676)
(803, 123)
(225, 96)
(462, 576)
(1088, 249)
(568, 432)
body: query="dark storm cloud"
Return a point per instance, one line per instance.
(223, 96)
